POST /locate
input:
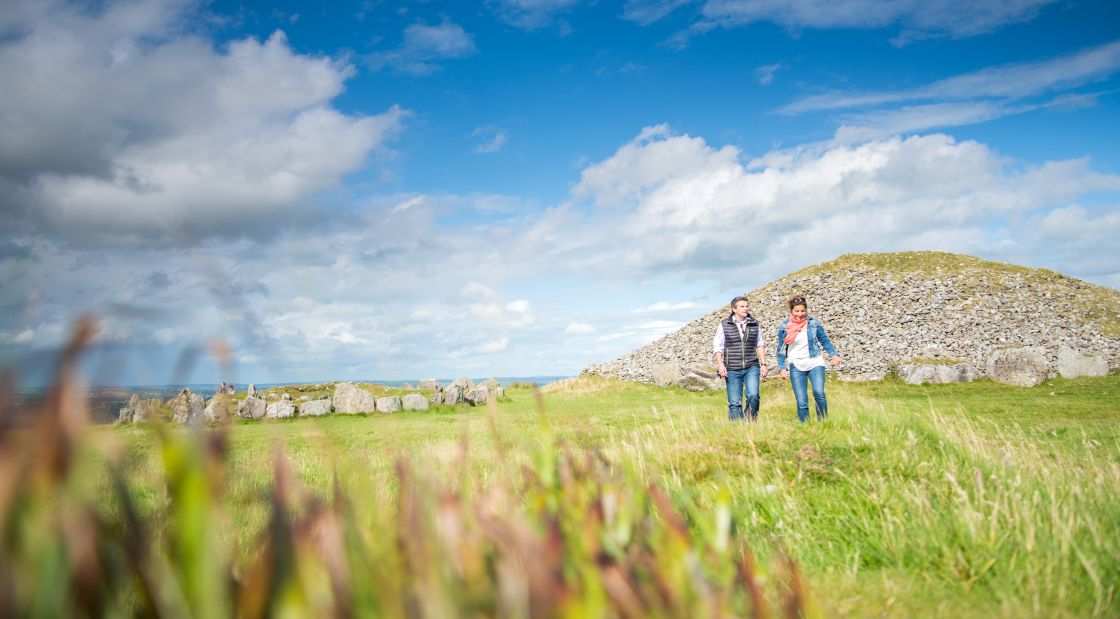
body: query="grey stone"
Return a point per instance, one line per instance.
(1075, 364)
(919, 373)
(414, 402)
(138, 410)
(252, 408)
(491, 384)
(186, 407)
(695, 382)
(454, 394)
(428, 384)
(314, 408)
(349, 399)
(389, 404)
(280, 409)
(477, 395)
(665, 374)
(251, 391)
(463, 383)
(1023, 367)
(219, 409)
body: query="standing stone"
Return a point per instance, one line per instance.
(389, 404)
(437, 396)
(280, 409)
(219, 409)
(429, 384)
(477, 395)
(452, 395)
(464, 383)
(1022, 367)
(252, 391)
(349, 399)
(315, 408)
(252, 408)
(414, 402)
(491, 384)
(1075, 364)
(186, 407)
(128, 413)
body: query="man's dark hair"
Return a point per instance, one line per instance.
(739, 298)
(797, 300)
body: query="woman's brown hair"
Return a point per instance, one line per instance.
(796, 300)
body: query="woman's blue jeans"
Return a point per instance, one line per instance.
(736, 381)
(797, 379)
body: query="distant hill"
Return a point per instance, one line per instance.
(886, 309)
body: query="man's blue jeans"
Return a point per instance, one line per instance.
(736, 380)
(797, 379)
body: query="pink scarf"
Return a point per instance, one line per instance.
(794, 327)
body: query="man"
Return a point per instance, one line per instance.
(740, 358)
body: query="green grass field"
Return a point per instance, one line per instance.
(972, 500)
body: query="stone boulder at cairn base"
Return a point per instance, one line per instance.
(665, 374)
(1075, 364)
(349, 399)
(252, 408)
(389, 404)
(314, 408)
(920, 373)
(1023, 367)
(280, 409)
(186, 407)
(414, 402)
(696, 379)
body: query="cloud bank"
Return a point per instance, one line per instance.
(117, 127)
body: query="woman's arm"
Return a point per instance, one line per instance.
(781, 349)
(822, 337)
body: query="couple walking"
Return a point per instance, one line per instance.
(740, 357)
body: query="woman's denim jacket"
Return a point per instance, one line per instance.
(814, 331)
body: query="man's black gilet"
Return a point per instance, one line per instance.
(737, 354)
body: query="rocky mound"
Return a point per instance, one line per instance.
(900, 310)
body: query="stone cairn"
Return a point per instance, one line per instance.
(347, 399)
(929, 317)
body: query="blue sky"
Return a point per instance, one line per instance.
(517, 187)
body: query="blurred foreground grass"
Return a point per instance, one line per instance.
(600, 499)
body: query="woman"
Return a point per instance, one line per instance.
(800, 339)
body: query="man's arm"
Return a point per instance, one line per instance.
(764, 369)
(717, 348)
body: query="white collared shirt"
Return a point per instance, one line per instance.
(717, 341)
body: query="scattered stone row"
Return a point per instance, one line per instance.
(966, 318)
(347, 399)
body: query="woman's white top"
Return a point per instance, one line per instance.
(798, 352)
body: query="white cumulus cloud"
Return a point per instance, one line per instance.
(115, 126)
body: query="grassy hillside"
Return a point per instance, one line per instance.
(964, 500)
